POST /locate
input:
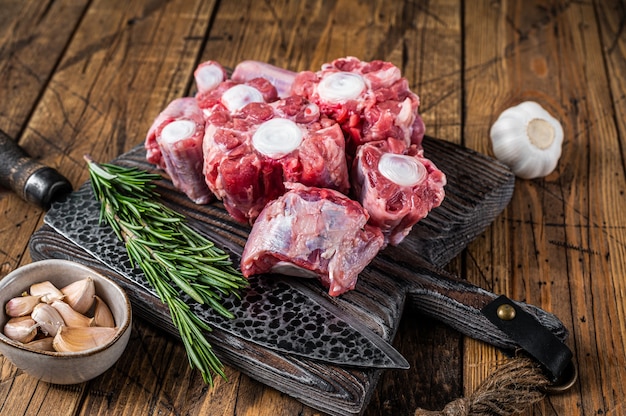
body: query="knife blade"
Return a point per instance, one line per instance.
(284, 314)
(281, 316)
(31, 180)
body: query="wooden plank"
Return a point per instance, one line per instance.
(553, 53)
(28, 56)
(124, 61)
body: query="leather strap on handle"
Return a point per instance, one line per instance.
(535, 339)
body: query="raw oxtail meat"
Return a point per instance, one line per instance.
(280, 78)
(312, 232)
(396, 189)
(370, 100)
(232, 96)
(174, 144)
(249, 156)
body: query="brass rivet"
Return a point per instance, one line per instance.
(506, 312)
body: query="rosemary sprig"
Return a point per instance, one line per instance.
(172, 255)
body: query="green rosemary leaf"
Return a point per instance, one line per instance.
(174, 257)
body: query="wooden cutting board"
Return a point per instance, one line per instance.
(478, 189)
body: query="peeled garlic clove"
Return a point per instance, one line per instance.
(22, 329)
(47, 291)
(70, 316)
(42, 344)
(48, 318)
(102, 314)
(74, 339)
(79, 295)
(21, 305)
(528, 140)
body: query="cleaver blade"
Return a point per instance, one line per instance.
(276, 313)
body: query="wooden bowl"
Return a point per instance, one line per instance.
(62, 367)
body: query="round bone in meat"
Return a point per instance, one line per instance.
(239, 96)
(208, 75)
(401, 169)
(277, 137)
(178, 130)
(340, 87)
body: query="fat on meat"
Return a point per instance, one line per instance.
(370, 100)
(246, 173)
(174, 144)
(395, 205)
(312, 232)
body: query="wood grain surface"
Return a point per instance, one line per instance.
(89, 77)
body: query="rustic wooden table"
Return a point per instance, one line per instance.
(89, 76)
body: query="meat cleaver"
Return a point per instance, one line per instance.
(287, 325)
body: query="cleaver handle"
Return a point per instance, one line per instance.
(459, 304)
(31, 180)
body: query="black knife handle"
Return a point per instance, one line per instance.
(458, 303)
(31, 180)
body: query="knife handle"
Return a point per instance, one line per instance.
(31, 180)
(458, 303)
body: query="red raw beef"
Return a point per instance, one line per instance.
(312, 232)
(246, 173)
(396, 205)
(232, 96)
(371, 101)
(279, 77)
(174, 144)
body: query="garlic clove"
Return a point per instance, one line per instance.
(79, 295)
(48, 318)
(74, 339)
(47, 291)
(21, 305)
(21, 329)
(70, 316)
(42, 344)
(528, 140)
(102, 314)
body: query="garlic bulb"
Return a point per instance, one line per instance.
(528, 140)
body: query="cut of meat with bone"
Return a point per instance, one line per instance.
(397, 190)
(371, 100)
(280, 78)
(248, 156)
(233, 96)
(174, 144)
(312, 232)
